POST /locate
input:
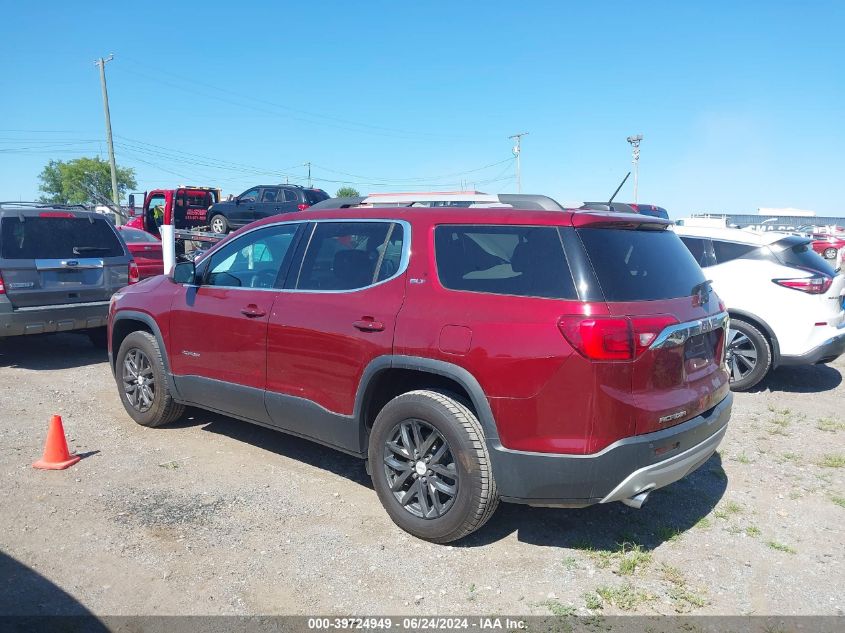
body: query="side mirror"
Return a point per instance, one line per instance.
(237, 200)
(185, 273)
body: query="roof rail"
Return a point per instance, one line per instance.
(475, 199)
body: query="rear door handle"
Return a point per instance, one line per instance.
(369, 325)
(252, 311)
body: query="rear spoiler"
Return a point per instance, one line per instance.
(604, 219)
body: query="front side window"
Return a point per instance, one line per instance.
(254, 260)
(511, 260)
(251, 195)
(350, 255)
(157, 201)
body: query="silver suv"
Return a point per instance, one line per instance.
(59, 267)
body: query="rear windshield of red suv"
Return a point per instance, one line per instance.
(641, 265)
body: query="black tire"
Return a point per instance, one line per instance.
(475, 498)
(829, 253)
(98, 337)
(221, 221)
(157, 406)
(749, 355)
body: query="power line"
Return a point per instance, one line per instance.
(314, 118)
(181, 156)
(417, 178)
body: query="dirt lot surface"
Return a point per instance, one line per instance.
(216, 516)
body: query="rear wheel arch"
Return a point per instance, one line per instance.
(764, 328)
(389, 376)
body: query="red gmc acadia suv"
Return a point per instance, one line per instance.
(555, 358)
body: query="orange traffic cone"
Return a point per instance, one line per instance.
(56, 455)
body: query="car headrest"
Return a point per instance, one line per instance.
(521, 258)
(353, 268)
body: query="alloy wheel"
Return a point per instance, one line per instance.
(741, 355)
(217, 225)
(420, 469)
(138, 380)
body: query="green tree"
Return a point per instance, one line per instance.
(75, 181)
(346, 192)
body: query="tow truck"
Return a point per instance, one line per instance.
(184, 208)
(183, 222)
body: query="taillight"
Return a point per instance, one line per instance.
(134, 275)
(816, 285)
(613, 338)
(302, 206)
(56, 214)
(2, 286)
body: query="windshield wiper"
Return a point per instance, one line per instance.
(78, 250)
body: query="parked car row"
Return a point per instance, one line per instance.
(471, 348)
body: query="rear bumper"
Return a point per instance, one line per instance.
(620, 471)
(47, 319)
(829, 350)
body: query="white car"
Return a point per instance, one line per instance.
(785, 300)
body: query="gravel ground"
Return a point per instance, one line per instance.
(216, 516)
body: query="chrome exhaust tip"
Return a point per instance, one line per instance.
(637, 500)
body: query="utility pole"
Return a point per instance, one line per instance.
(308, 165)
(635, 148)
(114, 192)
(517, 150)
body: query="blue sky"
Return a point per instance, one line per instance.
(742, 104)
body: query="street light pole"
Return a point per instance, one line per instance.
(517, 150)
(114, 191)
(635, 148)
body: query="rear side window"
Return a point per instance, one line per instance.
(269, 195)
(798, 252)
(726, 251)
(525, 261)
(636, 265)
(58, 238)
(350, 255)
